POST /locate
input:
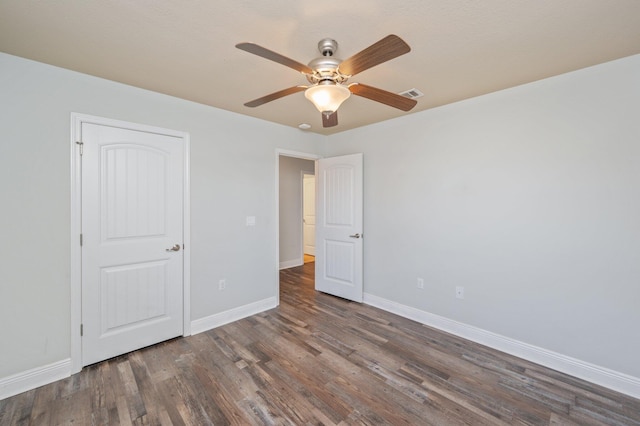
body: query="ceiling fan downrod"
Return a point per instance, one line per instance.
(327, 46)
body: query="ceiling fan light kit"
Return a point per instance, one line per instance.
(328, 76)
(327, 96)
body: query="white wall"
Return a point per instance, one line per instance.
(529, 198)
(290, 193)
(232, 176)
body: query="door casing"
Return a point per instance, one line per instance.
(76, 225)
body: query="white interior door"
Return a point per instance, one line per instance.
(339, 227)
(309, 214)
(132, 227)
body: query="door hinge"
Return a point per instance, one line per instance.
(81, 240)
(81, 145)
(81, 330)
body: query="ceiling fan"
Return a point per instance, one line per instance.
(328, 75)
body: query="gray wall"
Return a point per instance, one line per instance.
(233, 175)
(529, 198)
(290, 193)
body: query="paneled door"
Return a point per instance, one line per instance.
(339, 227)
(309, 214)
(132, 240)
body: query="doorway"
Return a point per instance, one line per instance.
(295, 220)
(338, 227)
(130, 270)
(291, 166)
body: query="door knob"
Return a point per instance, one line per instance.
(355, 236)
(174, 248)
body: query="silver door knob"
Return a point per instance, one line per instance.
(174, 248)
(355, 236)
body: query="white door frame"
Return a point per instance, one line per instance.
(76, 226)
(294, 154)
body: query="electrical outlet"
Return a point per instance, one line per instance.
(420, 283)
(222, 284)
(460, 292)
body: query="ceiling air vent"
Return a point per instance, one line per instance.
(412, 94)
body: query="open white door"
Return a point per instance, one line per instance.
(339, 227)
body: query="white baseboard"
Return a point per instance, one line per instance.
(620, 382)
(31, 379)
(36, 377)
(40, 376)
(213, 321)
(291, 263)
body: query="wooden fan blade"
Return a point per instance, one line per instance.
(331, 120)
(384, 50)
(273, 56)
(382, 96)
(275, 95)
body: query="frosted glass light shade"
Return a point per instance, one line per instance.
(327, 97)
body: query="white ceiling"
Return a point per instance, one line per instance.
(460, 48)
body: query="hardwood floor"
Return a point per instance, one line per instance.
(317, 360)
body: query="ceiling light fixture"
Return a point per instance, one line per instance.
(327, 96)
(328, 76)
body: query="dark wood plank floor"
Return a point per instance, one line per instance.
(317, 360)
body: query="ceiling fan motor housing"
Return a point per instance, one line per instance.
(325, 68)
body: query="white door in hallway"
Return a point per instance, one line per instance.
(309, 214)
(132, 231)
(339, 227)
